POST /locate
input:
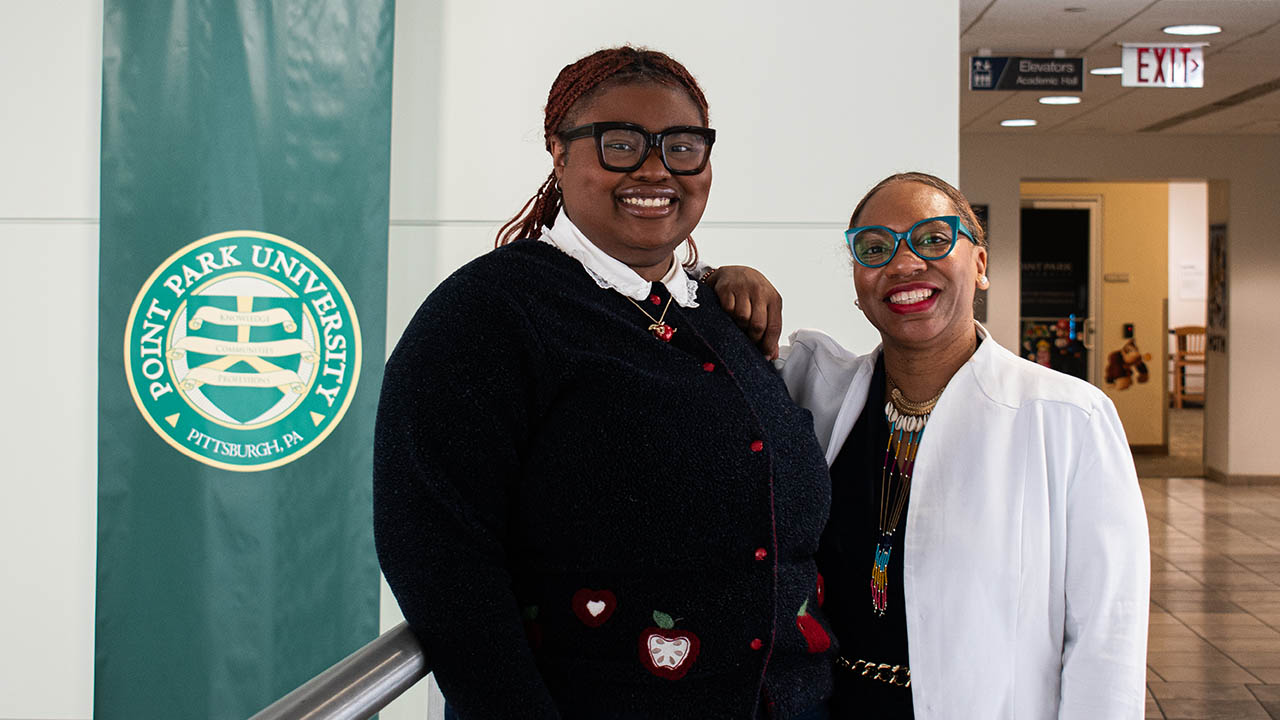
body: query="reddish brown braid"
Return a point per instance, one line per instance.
(578, 83)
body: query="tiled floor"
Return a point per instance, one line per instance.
(1214, 642)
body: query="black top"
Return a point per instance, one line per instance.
(553, 485)
(845, 559)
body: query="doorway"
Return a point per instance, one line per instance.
(1059, 302)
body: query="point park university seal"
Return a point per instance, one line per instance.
(242, 350)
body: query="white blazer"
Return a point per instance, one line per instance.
(1026, 566)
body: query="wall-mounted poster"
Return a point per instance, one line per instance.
(1217, 305)
(1055, 262)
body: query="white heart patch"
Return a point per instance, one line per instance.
(595, 607)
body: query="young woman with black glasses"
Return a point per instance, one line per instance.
(593, 495)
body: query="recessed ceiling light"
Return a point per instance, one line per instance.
(1075, 9)
(1117, 70)
(1192, 30)
(1018, 122)
(1060, 100)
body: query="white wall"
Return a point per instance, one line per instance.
(1188, 252)
(1188, 264)
(789, 87)
(50, 69)
(1236, 442)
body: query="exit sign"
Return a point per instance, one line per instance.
(1169, 65)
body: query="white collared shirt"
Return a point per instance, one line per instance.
(613, 274)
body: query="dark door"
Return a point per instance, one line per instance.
(1055, 288)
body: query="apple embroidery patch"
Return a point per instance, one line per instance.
(594, 607)
(665, 651)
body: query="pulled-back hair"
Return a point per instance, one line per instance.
(578, 83)
(963, 209)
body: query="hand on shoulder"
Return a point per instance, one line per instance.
(753, 303)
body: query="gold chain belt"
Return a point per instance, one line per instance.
(899, 675)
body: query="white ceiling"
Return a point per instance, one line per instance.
(1245, 55)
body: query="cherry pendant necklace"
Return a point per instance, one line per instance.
(659, 328)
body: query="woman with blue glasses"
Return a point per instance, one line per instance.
(987, 552)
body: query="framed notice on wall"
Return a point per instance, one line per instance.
(1217, 302)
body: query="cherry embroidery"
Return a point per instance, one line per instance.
(822, 590)
(814, 634)
(594, 607)
(665, 651)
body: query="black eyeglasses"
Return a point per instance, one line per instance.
(623, 147)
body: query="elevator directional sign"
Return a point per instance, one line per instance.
(1025, 73)
(1169, 65)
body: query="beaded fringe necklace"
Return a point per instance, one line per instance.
(906, 424)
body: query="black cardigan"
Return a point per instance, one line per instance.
(553, 485)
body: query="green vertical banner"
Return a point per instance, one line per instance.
(244, 214)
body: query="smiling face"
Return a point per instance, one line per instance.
(918, 304)
(638, 217)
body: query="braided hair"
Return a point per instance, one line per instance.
(577, 84)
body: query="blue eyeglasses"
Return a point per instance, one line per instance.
(933, 238)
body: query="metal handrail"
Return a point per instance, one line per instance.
(359, 685)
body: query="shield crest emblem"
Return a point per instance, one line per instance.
(244, 351)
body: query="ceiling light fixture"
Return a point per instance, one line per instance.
(1191, 30)
(1117, 70)
(1075, 9)
(1060, 100)
(1018, 122)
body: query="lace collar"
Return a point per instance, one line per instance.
(611, 273)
